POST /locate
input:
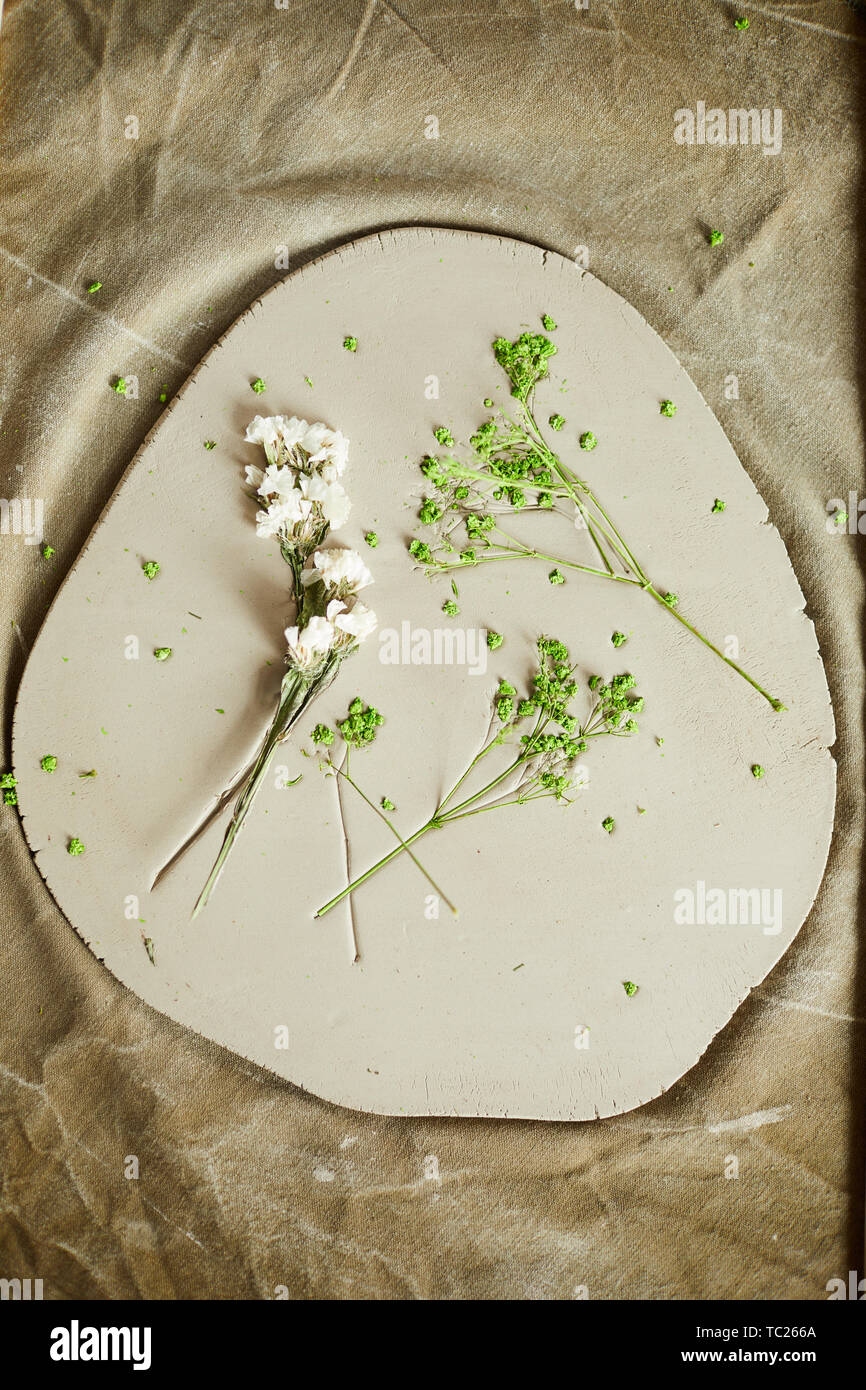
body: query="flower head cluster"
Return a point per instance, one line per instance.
(332, 621)
(341, 572)
(557, 738)
(615, 705)
(524, 361)
(299, 493)
(300, 500)
(548, 753)
(361, 725)
(506, 473)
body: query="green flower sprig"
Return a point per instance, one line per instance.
(541, 735)
(509, 469)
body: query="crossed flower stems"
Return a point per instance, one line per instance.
(544, 762)
(509, 456)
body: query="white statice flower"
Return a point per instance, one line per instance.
(331, 498)
(357, 624)
(309, 645)
(328, 450)
(291, 431)
(299, 496)
(352, 625)
(278, 480)
(340, 570)
(334, 608)
(282, 514)
(263, 430)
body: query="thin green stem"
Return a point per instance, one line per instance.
(288, 711)
(525, 553)
(476, 796)
(380, 864)
(771, 700)
(298, 690)
(494, 743)
(342, 772)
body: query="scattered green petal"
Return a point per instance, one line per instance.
(75, 846)
(49, 763)
(372, 539)
(150, 569)
(741, 23)
(630, 987)
(608, 824)
(119, 386)
(668, 408)
(716, 237)
(162, 653)
(588, 440)
(556, 577)
(387, 804)
(322, 734)
(258, 386)
(97, 285)
(350, 343)
(210, 444)
(449, 608)
(494, 640)
(556, 422)
(444, 436)
(719, 505)
(757, 770)
(48, 552)
(618, 638)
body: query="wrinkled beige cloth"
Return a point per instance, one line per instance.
(170, 150)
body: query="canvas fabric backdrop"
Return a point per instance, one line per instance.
(264, 130)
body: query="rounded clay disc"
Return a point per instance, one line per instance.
(518, 1006)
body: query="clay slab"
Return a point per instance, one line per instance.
(485, 1015)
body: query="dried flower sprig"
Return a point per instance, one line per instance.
(300, 500)
(543, 761)
(509, 469)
